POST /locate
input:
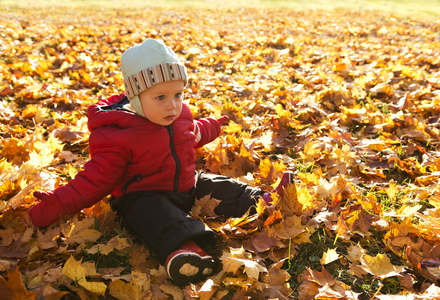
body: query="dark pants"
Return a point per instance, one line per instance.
(161, 219)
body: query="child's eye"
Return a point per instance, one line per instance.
(161, 97)
(178, 95)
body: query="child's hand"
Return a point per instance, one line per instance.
(222, 120)
(47, 211)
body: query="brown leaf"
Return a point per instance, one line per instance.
(205, 206)
(276, 275)
(18, 249)
(13, 288)
(49, 293)
(77, 232)
(48, 239)
(322, 278)
(114, 243)
(260, 242)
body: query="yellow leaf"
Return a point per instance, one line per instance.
(77, 272)
(392, 191)
(14, 149)
(289, 227)
(380, 266)
(207, 290)
(408, 211)
(172, 290)
(138, 256)
(115, 243)
(30, 111)
(329, 256)
(138, 288)
(266, 140)
(233, 128)
(236, 259)
(79, 231)
(40, 160)
(260, 207)
(311, 152)
(295, 200)
(4, 164)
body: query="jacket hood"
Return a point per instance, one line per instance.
(114, 111)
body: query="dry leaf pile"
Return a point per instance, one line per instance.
(349, 101)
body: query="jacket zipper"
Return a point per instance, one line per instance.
(135, 178)
(176, 159)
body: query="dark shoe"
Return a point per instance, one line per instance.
(285, 181)
(189, 264)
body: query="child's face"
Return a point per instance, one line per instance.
(162, 103)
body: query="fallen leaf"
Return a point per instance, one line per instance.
(380, 266)
(13, 288)
(205, 206)
(77, 232)
(329, 256)
(76, 271)
(114, 243)
(138, 288)
(236, 259)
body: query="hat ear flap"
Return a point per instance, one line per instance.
(136, 104)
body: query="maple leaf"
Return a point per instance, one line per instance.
(53, 275)
(77, 232)
(136, 289)
(329, 256)
(276, 276)
(354, 253)
(115, 243)
(172, 290)
(16, 249)
(48, 292)
(205, 206)
(313, 280)
(48, 239)
(380, 266)
(288, 228)
(260, 242)
(311, 152)
(8, 235)
(292, 104)
(13, 288)
(208, 290)
(237, 259)
(78, 272)
(138, 257)
(296, 201)
(359, 221)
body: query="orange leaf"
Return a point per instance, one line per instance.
(13, 288)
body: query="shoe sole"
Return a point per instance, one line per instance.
(190, 268)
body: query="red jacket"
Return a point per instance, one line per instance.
(129, 153)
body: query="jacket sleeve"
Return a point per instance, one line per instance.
(207, 129)
(98, 179)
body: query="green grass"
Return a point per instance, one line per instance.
(402, 7)
(309, 255)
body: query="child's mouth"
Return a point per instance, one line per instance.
(170, 118)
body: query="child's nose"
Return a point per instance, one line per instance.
(172, 104)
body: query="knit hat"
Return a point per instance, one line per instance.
(147, 64)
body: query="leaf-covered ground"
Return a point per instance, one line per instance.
(349, 101)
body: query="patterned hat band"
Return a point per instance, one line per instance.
(145, 79)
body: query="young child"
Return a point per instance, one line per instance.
(142, 148)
